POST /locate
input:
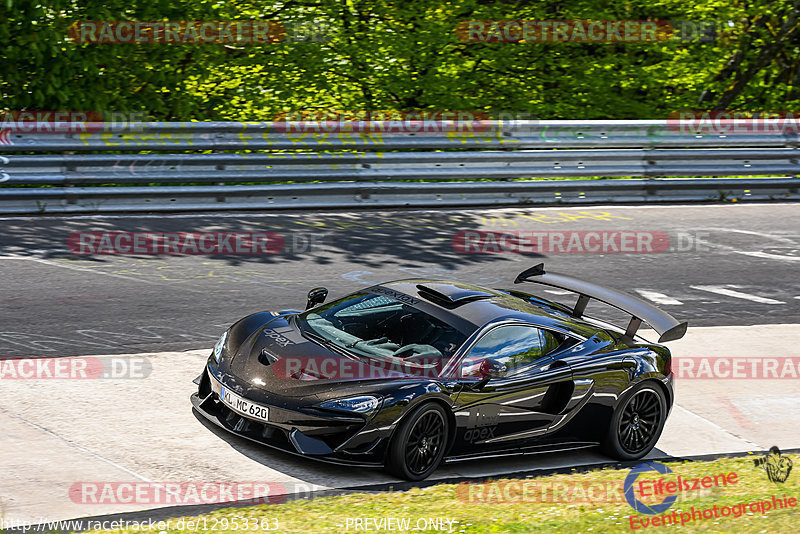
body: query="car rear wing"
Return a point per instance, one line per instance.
(665, 324)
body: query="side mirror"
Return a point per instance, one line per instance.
(316, 296)
(493, 369)
(490, 369)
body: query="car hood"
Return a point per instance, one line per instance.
(280, 360)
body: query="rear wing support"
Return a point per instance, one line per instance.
(668, 328)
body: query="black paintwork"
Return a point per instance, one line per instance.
(566, 402)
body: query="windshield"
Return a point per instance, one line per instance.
(380, 326)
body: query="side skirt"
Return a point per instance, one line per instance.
(537, 449)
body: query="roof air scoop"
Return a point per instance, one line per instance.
(449, 294)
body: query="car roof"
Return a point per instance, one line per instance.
(480, 306)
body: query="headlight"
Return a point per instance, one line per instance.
(220, 345)
(365, 404)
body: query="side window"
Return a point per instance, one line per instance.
(552, 341)
(513, 346)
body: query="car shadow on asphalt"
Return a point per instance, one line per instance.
(308, 471)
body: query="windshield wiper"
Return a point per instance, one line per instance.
(330, 344)
(376, 341)
(325, 342)
(316, 337)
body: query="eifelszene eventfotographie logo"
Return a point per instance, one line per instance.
(776, 466)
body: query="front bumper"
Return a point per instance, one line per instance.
(316, 434)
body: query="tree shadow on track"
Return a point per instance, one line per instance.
(371, 239)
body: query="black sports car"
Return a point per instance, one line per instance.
(409, 373)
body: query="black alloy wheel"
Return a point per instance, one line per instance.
(418, 446)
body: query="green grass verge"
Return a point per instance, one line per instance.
(503, 507)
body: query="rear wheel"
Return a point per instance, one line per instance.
(637, 422)
(418, 445)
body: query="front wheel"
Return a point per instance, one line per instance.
(637, 422)
(418, 445)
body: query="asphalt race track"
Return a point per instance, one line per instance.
(731, 270)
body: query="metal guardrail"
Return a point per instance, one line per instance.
(387, 195)
(369, 167)
(381, 136)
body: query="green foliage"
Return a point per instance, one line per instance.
(399, 54)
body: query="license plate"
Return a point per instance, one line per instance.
(244, 406)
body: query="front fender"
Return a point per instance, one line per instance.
(245, 327)
(402, 401)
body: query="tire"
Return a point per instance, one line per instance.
(417, 447)
(637, 422)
